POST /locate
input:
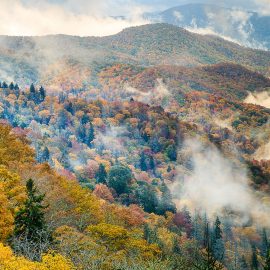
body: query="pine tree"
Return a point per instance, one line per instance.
(4, 85)
(32, 89)
(152, 164)
(101, 175)
(11, 86)
(218, 231)
(91, 135)
(143, 164)
(267, 260)
(29, 220)
(42, 94)
(243, 263)
(254, 259)
(85, 119)
(218, 245)
(45, 154)
(165, 203)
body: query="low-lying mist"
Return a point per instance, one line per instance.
(217, 186)
(262, 99)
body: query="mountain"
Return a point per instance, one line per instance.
(72, 62)
(245, 27)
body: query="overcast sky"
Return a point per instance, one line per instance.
(91, 17)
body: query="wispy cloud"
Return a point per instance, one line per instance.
(217, 185)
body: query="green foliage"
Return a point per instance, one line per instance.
(101, 174)
(119, 178)
(29, 220)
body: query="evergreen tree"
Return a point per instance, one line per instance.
(171, 152)
(85, 119)
(218, 245)
(243, 263)
(90, 136)
(4, 85)
(81, 133)
(208, 261)
(165, 203)
(11, 86)
(32, 89)
(45, 154)
(16, 87)
(218, 231)
(101, 175)
(32, 94)
(147, 197)
(42, 94)
(265, 243)
(267, 260)
(143, 164)
(69, 107)
(152, 164)
(29, 220)
(254, 259)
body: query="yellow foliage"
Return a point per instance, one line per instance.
(12, 195)
(13, 150)
(116, 238)
(8, 261)
(6, 217)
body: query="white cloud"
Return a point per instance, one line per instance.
(45, 18)
(263, 7)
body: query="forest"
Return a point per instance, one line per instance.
(91, 183)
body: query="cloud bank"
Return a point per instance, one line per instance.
(83, 18)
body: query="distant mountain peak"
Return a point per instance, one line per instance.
(241, 26)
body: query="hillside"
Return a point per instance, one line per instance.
(148, 149)
(72, 62)
(248, 28)
(227, 80)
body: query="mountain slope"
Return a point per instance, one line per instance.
(65, 62)
(248, 28)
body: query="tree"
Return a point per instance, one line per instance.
(207, 260)
(152, 164)
(90, 136)
(45, 154)
(218, 231)
(4, 85)
(165, 203)
(32, 89)
(119, 178)
(85, 119)
(147, 197)
(101, 174)
(42, 94)
(143, 164)
(254, 258)
(29, 220)
(218, 245)
(171, 152)
(11, 86)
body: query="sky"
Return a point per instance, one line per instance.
(91, 17)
